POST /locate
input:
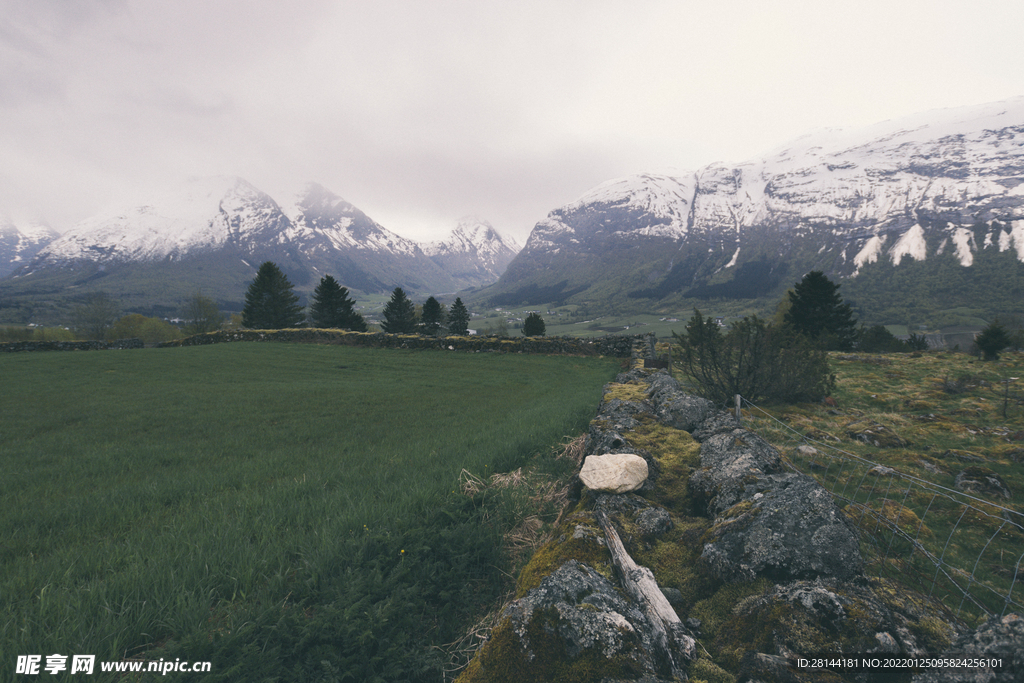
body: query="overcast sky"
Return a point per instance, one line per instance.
(424, 111)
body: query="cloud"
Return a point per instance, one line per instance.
(419, 113)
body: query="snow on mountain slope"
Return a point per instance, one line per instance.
(474, 253)
(908, 183)
(20, 242)
(316, 211)
(202, 214)
(473, 235)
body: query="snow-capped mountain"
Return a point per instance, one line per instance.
(20, 242)
(474, 253)
(342, 241)
(938, 188)
(212, 234)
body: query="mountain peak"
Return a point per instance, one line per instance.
(21, 241)
(474, 252)
(945, 186)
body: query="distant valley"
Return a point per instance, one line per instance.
(213, 233)
(921, 220)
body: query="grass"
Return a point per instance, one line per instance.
(948, 411)
(287, 512)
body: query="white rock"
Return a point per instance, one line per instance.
(614, 473)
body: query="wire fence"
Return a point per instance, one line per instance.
(961, 550)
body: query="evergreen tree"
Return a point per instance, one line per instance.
(458, 318)
(331, 307)
(270, 303)
(432, 317)
(533, 326)
(399, 314)
(818, 312)
(992, 340)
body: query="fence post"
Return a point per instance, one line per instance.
(739, 415)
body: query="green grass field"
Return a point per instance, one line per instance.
(947, 412)
(286, 512)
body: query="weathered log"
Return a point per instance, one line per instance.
(640, 585)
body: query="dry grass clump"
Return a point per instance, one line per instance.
(574, 450)
(460, 652)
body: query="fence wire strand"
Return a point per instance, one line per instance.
(984, 594)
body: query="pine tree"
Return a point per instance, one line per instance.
(270, 303)
(331, 307)
(432, 316)
(992, 340)
(399, 314)
(818, 312)
(533, 326)
(458, 318)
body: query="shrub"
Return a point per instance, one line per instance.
(755, 360)
(992, 340)
(917, 342)
(201, 314)
(149, 330)
(877, 339)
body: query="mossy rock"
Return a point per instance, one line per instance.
(503, 658)
(578, 538)
(633, 391)
(575, 626)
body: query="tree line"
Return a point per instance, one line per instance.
(270, 303)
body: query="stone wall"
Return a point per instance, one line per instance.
(759, 564)
(617, 346)
(11, 347)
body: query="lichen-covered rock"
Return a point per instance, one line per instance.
(732, 464)
(720, 422)
(613, 418)
(791, 529)
(622, 413)
(573, 626)
(653, 521)
(614, 472)
(982, 481)
(999, 637)
(802, 618)
(675, 408)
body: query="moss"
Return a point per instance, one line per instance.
(630, 391)
(716, 611)
(933, 634)
(504, 658)
(703, 669)
(563, 548)
(677, 453)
